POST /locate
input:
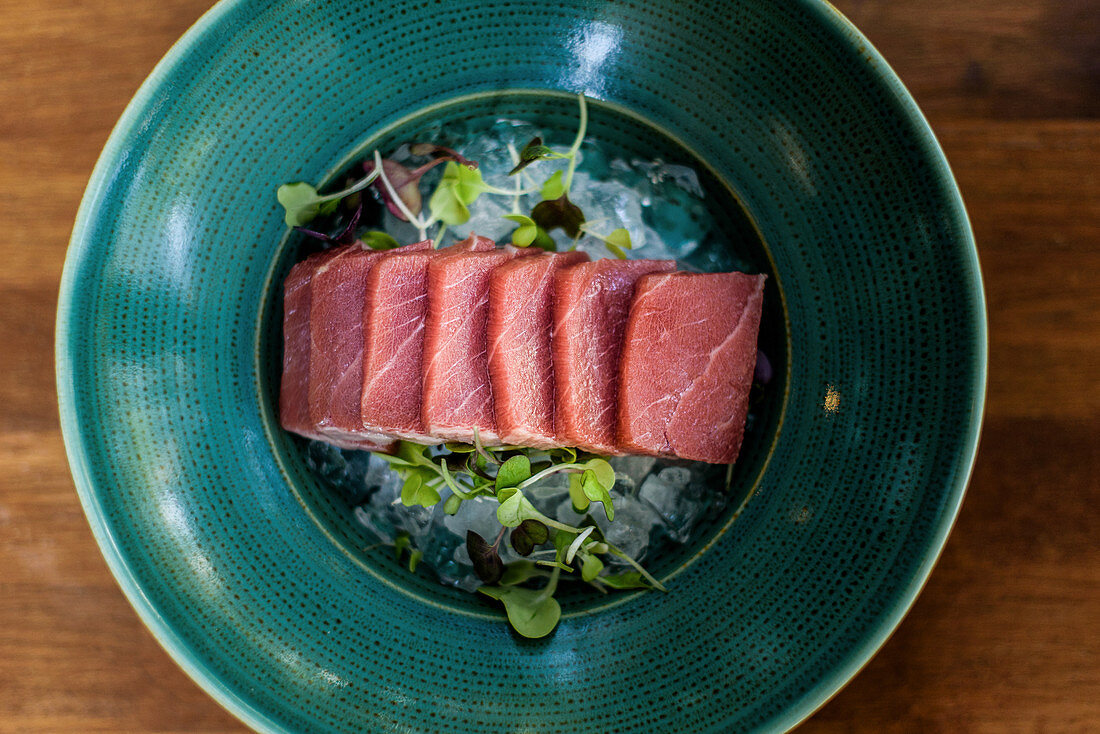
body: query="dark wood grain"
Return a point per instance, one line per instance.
(1003, 639)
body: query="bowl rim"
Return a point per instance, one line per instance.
(801, 709)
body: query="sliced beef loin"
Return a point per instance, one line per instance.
(397, 294)
(591, 302)
(687, 365)
(520, 361)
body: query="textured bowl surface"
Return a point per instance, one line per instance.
(260, 588)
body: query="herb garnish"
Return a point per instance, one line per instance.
(503, 473)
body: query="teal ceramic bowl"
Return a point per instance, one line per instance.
(256, 579)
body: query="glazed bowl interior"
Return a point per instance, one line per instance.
(256, 577)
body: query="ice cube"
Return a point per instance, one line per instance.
(634, 521)
(678, 502)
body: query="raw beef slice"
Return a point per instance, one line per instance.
(339, 290)
(687, 365)
(397, 290)
(591, 302)
(294, 387)
(521, 366)
(458, 397)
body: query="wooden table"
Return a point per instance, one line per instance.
(1005, 638)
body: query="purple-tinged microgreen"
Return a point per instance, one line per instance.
(344, 236)
(403, 183)
(395, 198)
(534, 151)
(527, 535)
(559, 213)
(485, 558)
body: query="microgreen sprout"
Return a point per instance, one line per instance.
(465, 472)
(302, 203)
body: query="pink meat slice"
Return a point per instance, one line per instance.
(521, 366)
(458, 396)
(339, 291)
(397, 290)
(294, 387)
(687, 365)
(591, 302)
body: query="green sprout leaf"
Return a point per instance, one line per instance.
(516, 509)
(604, 472)
(484, 557)
(597, 492)
(377, 240)
(414, 559)
(513, 471)
(526, 232)
(559, 213)
(554, 187)
(576, 494)
(527, 535)
(400, 543)
(416, 491)
(452, 504)
(518, 572)
(301, 202)
(591, 567)
(532, 613)
(459, 187)
(617, 242)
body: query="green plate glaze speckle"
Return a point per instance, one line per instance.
(254, 576)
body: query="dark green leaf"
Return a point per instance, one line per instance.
(530, 612)
(527, 535)
(518, 572)
(531, 152)
(559, 213)
(625, 580)
(484, 557)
